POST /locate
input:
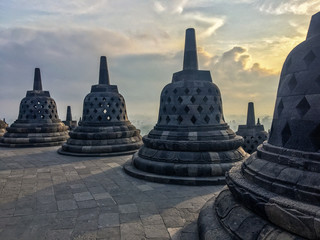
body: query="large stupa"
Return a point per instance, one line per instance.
(191, 143)
(72, 124)
(275, 194)
(38, 124)
(252, 133)
(105, 129)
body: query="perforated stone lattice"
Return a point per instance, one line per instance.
(104, 108)
(187, 105)
(252, 142)
(38, 108)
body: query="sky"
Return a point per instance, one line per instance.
(242, 42)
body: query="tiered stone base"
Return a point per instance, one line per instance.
(273, 195)
(34, 135)
(102, 141)
(177, 158)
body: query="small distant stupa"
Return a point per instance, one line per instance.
(3, 126)
(104, 129)
(69, 122)
(252, 133)
(191, 143)
(38, 124)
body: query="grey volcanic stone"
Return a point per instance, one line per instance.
(69, 122)
(38, 124)
(191, 142)
(252, 133)
(104, 129)
(275, 193)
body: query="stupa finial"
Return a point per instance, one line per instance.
(69, 115)
(190, 61)
(37, 84)
(314, 28)
(250, 115)
(104, 73)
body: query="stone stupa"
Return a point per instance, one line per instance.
(275, 194)
(3, 126)
(38, 124)
(105, 129)
(191, 143)
(252, 133)
(72, 124)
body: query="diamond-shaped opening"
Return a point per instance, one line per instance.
(315, 137)
(117, 104)
(169, 99)
(100, 104)
(280, 107)
(95, 110)
(186, 90)
(175, 91)
(164, 109)
(112, 99)
(118, 117)
(193, 119)
(174, 109)
(104, 99)
(168, 119)
(104, 111)
(96, 99)
(303, 107)
(198, 90)
(91, 104)
(186, 109)
(192, 99)
(179, 119)
(113, 111)
(199, 109)
(292, 82)
(180, 100)
(108, 118)
(120, 110)
(42, 116)
(309, 58)
(207, 119)
(218, 118)
(211, 108)
(205, 99)
(99, 118)
(286, 134)
(162, 100)
(160, 118)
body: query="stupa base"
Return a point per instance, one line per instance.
(94, 154)
(222, 217)
(27, 145)
(131, 170)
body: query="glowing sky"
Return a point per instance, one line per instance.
(242, 42)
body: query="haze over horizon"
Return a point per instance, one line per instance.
(242, 42)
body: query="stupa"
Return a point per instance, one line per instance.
(38, 124)
(275, 194)
(252, 133)
(69, 122)
(105, 129)
(3, 126)
(191, 143)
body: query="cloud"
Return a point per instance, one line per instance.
(241, 81)
(279, 7)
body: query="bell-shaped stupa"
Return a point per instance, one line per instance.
(275, 194)
(191, 143)
(252, 133)
(105, 129)
(38, 124)
(69, 122)
(3, 126)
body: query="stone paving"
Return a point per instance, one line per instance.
(45, 195)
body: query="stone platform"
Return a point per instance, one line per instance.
(45, 195)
